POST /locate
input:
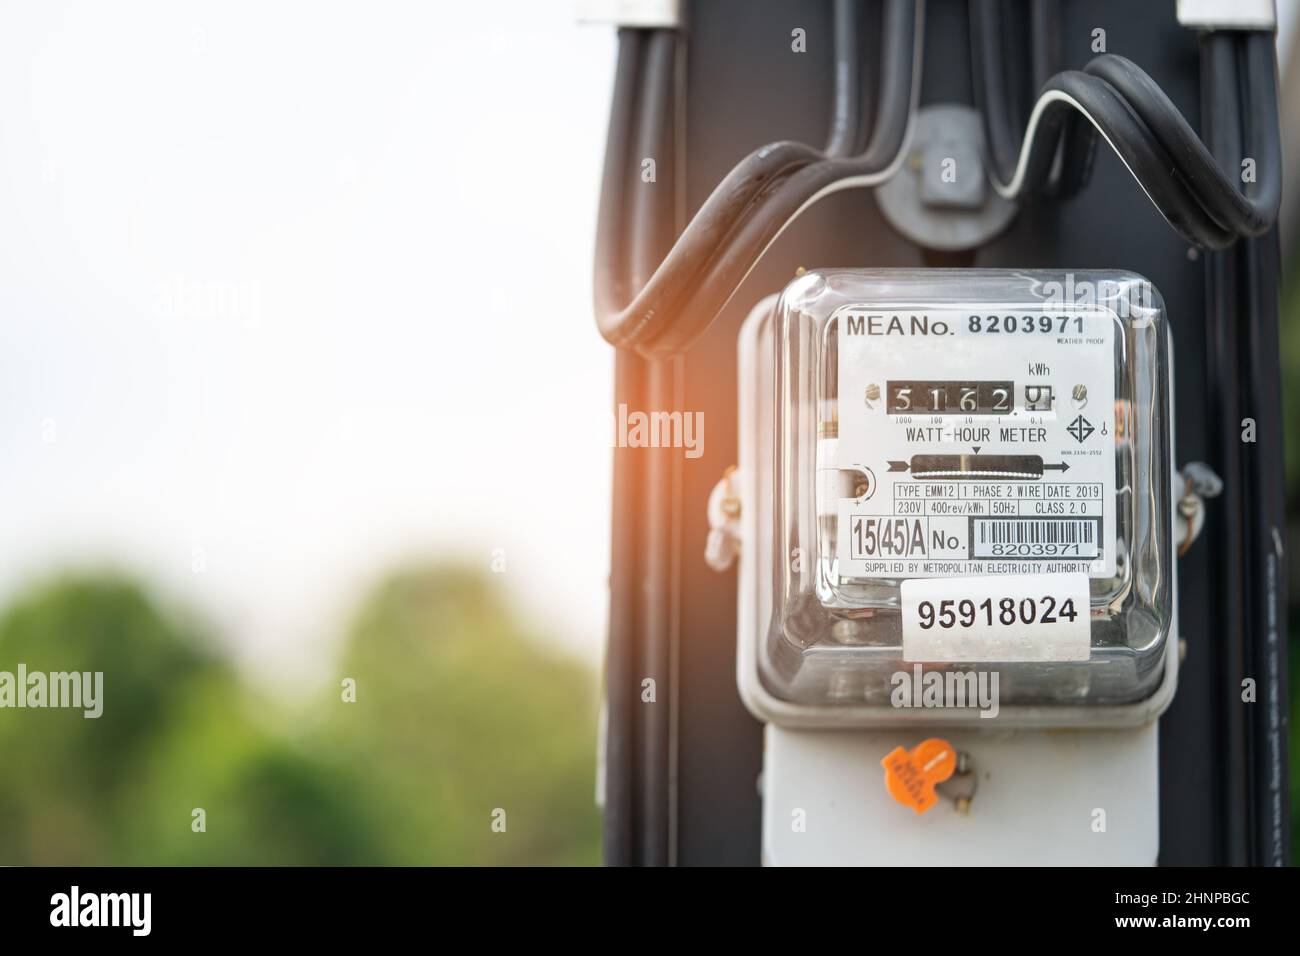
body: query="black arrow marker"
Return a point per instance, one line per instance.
(898, 466)
(1063, 466)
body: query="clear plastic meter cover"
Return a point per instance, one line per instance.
(972, 471)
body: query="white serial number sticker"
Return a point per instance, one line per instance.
(1032, 617)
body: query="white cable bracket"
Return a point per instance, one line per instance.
(1228, 14)
(642, 14)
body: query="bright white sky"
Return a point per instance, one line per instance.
(293, 291)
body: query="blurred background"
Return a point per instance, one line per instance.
(302, 429)
(299, 384)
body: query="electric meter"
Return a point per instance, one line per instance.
(956, 473)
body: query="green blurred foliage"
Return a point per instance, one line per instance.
(457, 714)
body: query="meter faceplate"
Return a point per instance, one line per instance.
(979, 442)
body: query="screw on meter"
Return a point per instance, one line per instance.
(990, 436)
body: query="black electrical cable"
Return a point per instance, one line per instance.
(612, 236)
(846, 111)
(1077, 145)
(638, 230)
(1002, 130)
(634, 232)
(1046, 40)
(624, 325)
(741, 197)
(869, 54)
(1226, 521)
(1178, 172)
(1245, 215)
(653, 207)
(1244, 298)
(622, 308)
(636, 227)
(1267, 575)
(1071, 96)
(621, 324)
(1000, 98)
(782, 201)
(612, 263)
(654, 228)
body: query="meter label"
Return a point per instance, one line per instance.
(1032, 617)
(973, 442)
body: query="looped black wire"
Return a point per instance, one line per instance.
(1117, 99)
(679, 300)
(1251, 214)
(782, 200)
(1132, 140)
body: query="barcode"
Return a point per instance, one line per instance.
(1035, 537)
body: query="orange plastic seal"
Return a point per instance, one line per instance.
(910, 775)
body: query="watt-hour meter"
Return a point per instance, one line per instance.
(954, 472)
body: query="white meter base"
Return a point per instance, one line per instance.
(1044, 798)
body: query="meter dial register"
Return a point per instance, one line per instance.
(970, 469)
